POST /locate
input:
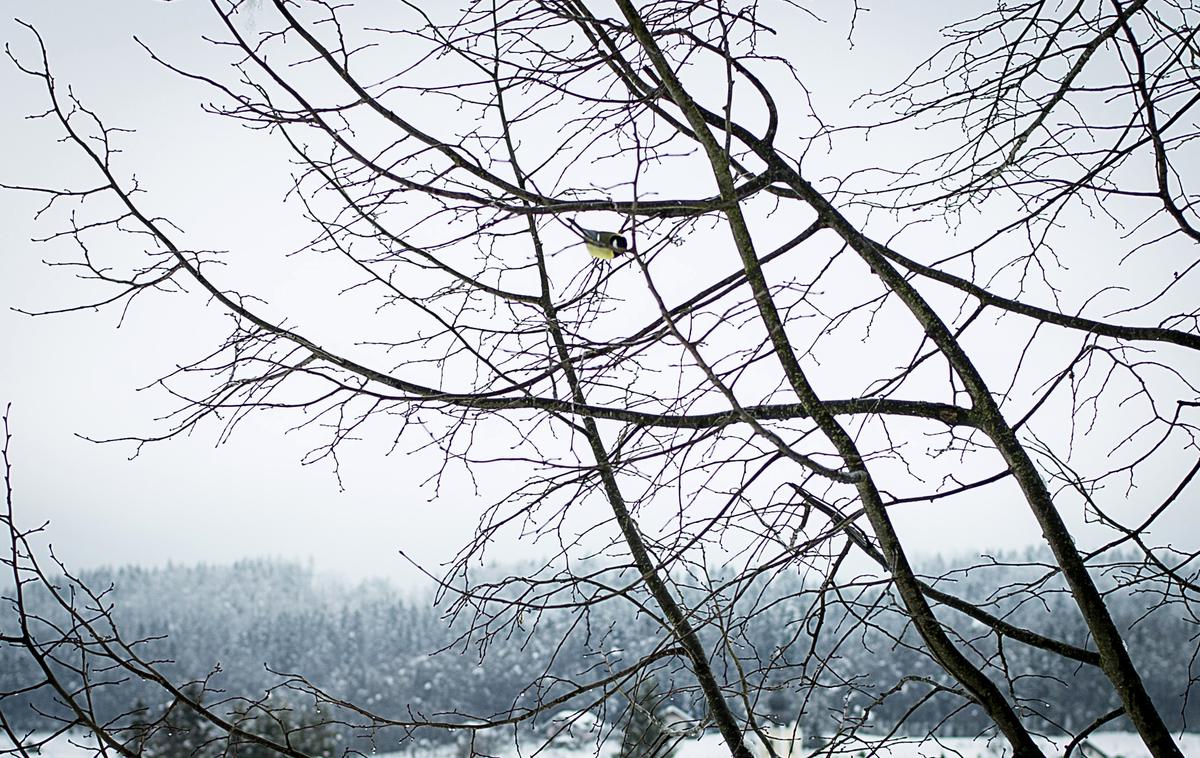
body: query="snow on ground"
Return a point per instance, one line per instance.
(1105, 745)
(65, 746)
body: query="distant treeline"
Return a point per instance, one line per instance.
(372, 644)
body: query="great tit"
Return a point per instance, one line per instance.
(603, 245)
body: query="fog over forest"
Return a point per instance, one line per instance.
(253, 627)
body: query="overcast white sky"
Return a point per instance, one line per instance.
(78, 374)
(190, 499)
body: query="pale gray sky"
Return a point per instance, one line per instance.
(190, 499)
(77, 374)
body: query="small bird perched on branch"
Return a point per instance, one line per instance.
(602, 245)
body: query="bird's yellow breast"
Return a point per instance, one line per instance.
(604, 253)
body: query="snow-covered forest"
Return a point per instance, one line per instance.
(245, 629)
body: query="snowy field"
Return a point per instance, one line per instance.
(1106, 745)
